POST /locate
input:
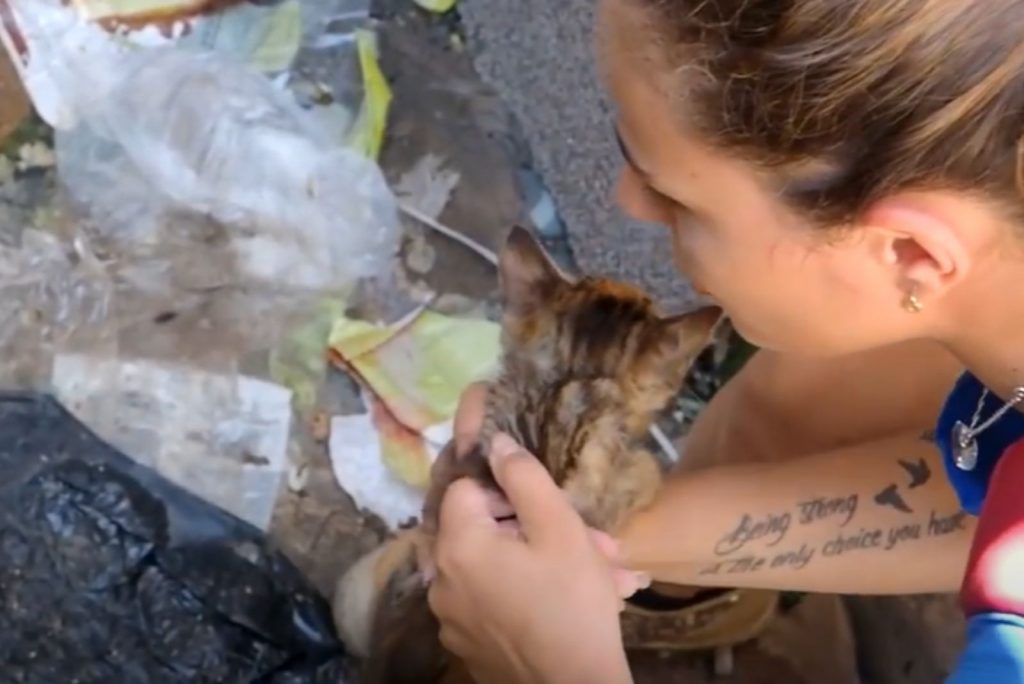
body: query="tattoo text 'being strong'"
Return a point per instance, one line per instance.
(772, 528)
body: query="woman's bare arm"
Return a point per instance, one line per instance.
(786, 432)
(875, 518)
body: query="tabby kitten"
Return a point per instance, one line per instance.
(586, 365)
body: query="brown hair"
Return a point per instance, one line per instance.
(851, 100)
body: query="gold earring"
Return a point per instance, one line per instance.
(911, 302)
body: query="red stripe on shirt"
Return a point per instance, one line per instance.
(994, 581)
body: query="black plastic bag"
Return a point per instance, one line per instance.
(110, 574)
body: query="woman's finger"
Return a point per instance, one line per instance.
(498, 505)
(606, 544)
(465, 507)
(469, 417)
(628, 582)
(451, 639)
(543, 511)
(511, 529)
(424, 547)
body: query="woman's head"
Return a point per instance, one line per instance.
(822, 161)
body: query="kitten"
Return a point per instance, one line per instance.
(586, 365)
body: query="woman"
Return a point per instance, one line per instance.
(845, 178)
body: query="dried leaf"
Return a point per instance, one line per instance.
(427, 186)
(436, 6)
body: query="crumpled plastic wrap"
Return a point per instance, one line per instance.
(172, 151)
(290, 210)
(207, 213)
(51, 298)
(223, 437)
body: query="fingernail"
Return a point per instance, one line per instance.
(643, 581)
(503, 446)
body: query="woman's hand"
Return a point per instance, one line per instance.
(535, 603)
(468, 418)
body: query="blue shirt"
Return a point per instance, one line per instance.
(995, 642)
(994, 653)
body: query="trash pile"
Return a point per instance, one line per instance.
(219, 202)
(220, 232)
(193, 226)
(110, 573)
(205, 207)
(412, 374)
(195, 238)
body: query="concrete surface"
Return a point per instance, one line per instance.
(537, 55)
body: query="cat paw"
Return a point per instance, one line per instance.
(359, 591)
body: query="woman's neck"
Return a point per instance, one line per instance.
(989, 339)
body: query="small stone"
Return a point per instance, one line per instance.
(454, 304)
(419, 255)
(35, 155)
(420, 292)
(298, 478)
(320, 426)
(6, 170)
(322, 93)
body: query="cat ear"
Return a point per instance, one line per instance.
(686, 335)
(527, 274)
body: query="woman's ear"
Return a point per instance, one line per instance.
(924, 240)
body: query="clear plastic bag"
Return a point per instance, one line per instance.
(52, 298)
(194, 134)
(222, 436)
(328, 24)
(330, 56)
(150, 135)
(218, 212)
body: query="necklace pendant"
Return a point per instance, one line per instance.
(965, 447)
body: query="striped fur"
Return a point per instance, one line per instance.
(586, 365)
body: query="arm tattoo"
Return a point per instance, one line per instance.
(890, 496)
(919, 472)
(760, 539)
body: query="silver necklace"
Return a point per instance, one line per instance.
(965, 443)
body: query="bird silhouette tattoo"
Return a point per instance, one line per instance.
(890, 496)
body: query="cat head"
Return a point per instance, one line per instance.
(557, 328)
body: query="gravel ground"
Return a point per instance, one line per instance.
(538, 55)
